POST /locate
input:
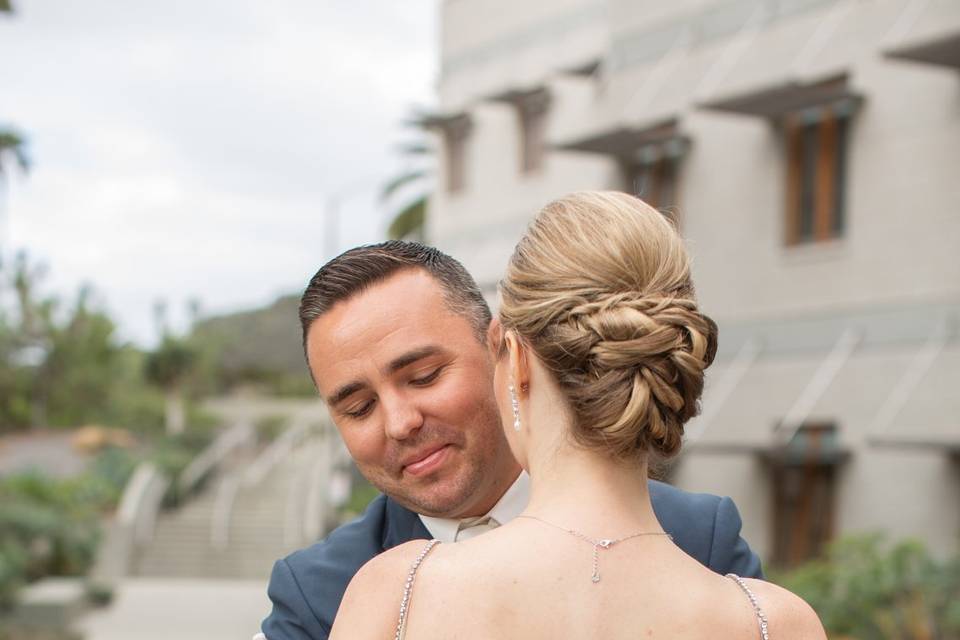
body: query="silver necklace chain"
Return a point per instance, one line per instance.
(602, 543)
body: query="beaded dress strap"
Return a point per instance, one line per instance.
(408, 587)
(761, 616)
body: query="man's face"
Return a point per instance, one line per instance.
(410, 388)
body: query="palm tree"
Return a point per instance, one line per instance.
(410, 220)
(11, 143)
(12, 151)
(170, 367)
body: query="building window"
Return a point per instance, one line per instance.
(456, 151)
(804, 480)
(531, 106)
(653, 173)
(815, 120)
(649, 159)
(655, 183)
(816, 148)
(454, 129)
(533, 129)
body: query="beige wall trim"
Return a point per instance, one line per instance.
(725, 387)
(819, 383)
(910, 380)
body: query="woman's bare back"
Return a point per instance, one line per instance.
(538, 586)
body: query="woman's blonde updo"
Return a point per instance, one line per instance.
(599, 287)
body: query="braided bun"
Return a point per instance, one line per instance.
(600, 289)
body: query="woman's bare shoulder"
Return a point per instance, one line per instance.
(788, 615)
(371, 604)
(397, 560)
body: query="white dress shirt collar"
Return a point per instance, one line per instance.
(510, 505)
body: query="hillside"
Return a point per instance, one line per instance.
(256, 342)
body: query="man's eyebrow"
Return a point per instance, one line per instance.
(344, 392)
(412, 356)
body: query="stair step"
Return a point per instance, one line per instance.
(181, 544)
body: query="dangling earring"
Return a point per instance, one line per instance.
(515, 403)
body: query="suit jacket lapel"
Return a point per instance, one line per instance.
(401, 525)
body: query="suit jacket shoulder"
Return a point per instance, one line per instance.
(307, 586)
(707, 527)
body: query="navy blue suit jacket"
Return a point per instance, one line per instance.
(307, 586)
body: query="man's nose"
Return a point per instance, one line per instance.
(402, 417)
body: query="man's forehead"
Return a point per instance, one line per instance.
(405, 311)
(408, 300)
(405, 292)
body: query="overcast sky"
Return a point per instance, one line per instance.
(188, 148)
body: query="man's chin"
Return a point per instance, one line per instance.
(432, 507)
(436, 504)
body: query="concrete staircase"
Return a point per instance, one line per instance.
(235, 530)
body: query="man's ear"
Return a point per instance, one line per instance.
(495, 338)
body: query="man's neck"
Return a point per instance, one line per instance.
(510, 505)
(494, 496)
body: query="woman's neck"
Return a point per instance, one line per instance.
(573, 486)
(591, 493)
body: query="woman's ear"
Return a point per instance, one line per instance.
(519, 367)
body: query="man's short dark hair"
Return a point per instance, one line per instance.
(355, 270)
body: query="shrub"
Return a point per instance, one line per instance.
(50, 526)
(99, 594)
(39, 539)
(868, 590)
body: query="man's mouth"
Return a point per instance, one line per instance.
(424, 462)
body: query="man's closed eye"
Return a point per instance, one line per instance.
(359, 411)
(427, 379)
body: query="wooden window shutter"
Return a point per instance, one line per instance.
(826, 179)
(792, 137)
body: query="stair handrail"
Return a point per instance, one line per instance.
(328, 489)
(133, 522)
(216, 452)
(222, 511)
(277, 451)
(141, 501)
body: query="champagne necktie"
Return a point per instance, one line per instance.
(472, 527)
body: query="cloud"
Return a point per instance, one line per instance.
(190, 148)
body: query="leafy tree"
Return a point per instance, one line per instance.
(25, 325)
(64, 366)
(76, 380)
